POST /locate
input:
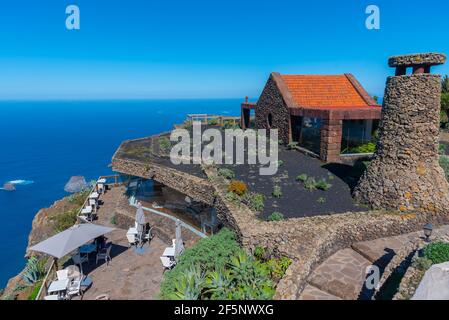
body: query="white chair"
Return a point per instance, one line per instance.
(100, 188)
(62, 274)
(52, 297)
(167, 263)
(105, 254)
(132, 239)
(74, 288)
(93, 204)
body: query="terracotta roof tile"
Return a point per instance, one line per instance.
(324, 91)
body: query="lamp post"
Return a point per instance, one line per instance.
(428, 228)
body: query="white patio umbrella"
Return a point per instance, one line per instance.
(179, 246)
(140, 215)
(71, 239)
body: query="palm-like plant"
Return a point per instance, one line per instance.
(34, 271)
(190, 285)
(218, 284)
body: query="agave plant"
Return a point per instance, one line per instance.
(218, 283)
(190, 285)
(34, 271)
(252, 280)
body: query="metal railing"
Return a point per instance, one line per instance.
(115, 183)
(208, 119)
(43, 291)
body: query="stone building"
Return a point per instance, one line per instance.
(322, 113)
(405, 174)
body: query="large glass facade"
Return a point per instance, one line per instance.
(310, 134)
(357, 134)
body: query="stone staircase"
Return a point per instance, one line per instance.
(342, 276)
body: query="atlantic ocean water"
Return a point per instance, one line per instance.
(44, 143)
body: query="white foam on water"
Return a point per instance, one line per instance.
(20, 182)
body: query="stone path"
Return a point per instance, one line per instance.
(342, 276)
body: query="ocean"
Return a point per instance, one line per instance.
(44, 143)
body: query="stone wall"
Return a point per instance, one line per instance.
(309, 241)
(330, 144)
(405, 174)
(271, 102)
(195, 187)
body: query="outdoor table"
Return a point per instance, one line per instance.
(94, 195)
(87, 249)
(169, 252)
(100, 185)
(87, 210)
(58, 286)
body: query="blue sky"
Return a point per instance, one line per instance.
(203, 49)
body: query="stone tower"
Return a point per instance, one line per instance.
(405, 174)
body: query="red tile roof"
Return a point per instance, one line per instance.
(327, 91)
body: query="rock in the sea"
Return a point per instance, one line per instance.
(9, 187)
(76, 184)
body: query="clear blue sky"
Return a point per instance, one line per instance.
(203, 49)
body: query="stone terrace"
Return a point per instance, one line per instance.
(130, 275)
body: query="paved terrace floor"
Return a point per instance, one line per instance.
(342, 276)
(130, 275)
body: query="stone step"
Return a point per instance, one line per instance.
(313, 293)
(380, 251)
(342, 275)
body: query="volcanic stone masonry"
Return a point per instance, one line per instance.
(405, 174)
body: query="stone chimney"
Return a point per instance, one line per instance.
(405, 174)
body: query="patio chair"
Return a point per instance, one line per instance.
(93, 204)
(132, 239)
(62, 274)
(52, 297)
(100, 188)
(167, 263)
(79, 259)
(105, 254)
(74, 288)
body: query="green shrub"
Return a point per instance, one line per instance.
(213, 122)
(216, 268)
(302, 177)
(164, 144)
(259, 253)
(280, 163)
(277, 192)
(33, 294)
(310, 184)
(34, 271)
(292, 145)
(441, 149)
(437, 252)
(226, 173)
(322, 184)
(444, 163)
(255, 201)
(278, 267)
(65, 220)
(114, 220)
(422, 263)
(231, 196)
(369, 147)
(209, 253)
(275, 216)
(321, 200)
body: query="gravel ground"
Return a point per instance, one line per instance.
(296, 201)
